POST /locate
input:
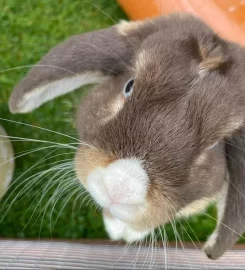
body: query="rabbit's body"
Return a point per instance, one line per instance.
(156, 130)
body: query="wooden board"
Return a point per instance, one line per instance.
(93, 255)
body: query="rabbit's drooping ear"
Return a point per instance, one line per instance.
(85, 59)
(231, 204)
(80, 60)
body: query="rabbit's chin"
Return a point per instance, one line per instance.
(120, 230)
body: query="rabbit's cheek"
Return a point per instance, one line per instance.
(88, 159)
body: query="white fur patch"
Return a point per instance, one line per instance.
(127, 212)
(124, 27)
(132, 235)
(142, 60)
(211, 241)
(118, 230)
(126, 181)
(221, 200)
(115, 107)
(97, 188)
(221, 203)
(195, 207)
(200, 75)
(114, 227)
(201, 159)
(47, 92)
(121, 187)
(237, 123)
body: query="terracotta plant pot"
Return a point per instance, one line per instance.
(6, 162)
(226, 17)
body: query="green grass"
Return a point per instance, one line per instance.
(28, 30)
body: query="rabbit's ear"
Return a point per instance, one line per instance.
(231, 204)
(84, 59)
(80, 60)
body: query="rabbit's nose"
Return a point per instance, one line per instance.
(123, 183)
(126, 181)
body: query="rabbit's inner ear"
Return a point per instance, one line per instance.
(36, 97)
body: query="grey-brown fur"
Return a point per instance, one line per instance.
(88, 52)
(188, 95)
(233, 222)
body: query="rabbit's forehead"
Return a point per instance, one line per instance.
(158, 61)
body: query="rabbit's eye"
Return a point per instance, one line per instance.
(128, 88)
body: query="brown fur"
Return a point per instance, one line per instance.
(189, 94)
(210, 62)
(87, 159)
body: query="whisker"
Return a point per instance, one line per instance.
(37, 65)
(109, 53)
(172, 221)
(41, 141)
(78, 197)
(50, 186)
(215, 219)
(192, 243)
(65, 189)
(44, 129)
(164, 243)
(31, 177)
(18, 178)
(29, 152)
(108, 16)
(135, 260)
(44, 209)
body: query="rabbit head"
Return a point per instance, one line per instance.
(154, 130)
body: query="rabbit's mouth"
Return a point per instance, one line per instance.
(118, 229)
(121, 187)
(126, 212)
